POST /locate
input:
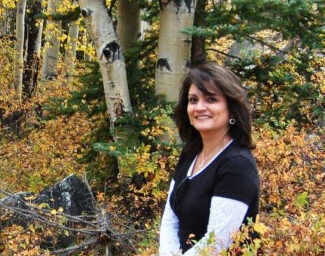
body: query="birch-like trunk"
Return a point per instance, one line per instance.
(52, 45)
(71, 47)
(110, 58)
(128, 22)
(38, 41)
(112, 67)
(173, 46)
(19, 47)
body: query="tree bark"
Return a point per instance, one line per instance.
(38, 41)
(128, 22)
(110, 58)
(112, 66)
(19, 47)
(71, 47)
(173, 46)
(32, 59)
(52, 45)
(198, 52)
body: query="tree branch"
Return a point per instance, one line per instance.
(223, 53)
(75, 248)
(264, 43)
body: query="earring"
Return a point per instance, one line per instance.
(232, 121)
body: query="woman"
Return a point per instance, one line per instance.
(216, 184)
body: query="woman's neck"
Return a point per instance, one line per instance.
(212, 142)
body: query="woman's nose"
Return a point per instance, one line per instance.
(200, 105)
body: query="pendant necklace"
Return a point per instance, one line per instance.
(217, 148)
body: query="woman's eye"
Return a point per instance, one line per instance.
(192, 100)
(211, 99)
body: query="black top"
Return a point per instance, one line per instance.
(232, 174)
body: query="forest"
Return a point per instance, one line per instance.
(88, 90)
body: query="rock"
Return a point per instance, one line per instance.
(70, 194)
(246, 50)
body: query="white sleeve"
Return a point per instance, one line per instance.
(226, 217)
(169, 241)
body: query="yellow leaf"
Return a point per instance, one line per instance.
(260, 228)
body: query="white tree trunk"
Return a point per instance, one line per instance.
(71, 47)
(144, 26)
(173, 47)
(128, 22)
(38, 41)
(52, 45)
(110, 58)
(112, 67)
(19, 47)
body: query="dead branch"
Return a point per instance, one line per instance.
(223, 53)
(98, 228)
(75, 248)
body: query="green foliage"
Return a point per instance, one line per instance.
(141, 67)
(281, 83)
(301, 200)
(69, 15)
(150, 9)
(299, 18)
(284, 93)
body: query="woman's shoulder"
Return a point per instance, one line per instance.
(238, 153)
(184, 162)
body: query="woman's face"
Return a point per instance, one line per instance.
(208, 114)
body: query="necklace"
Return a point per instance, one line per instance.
(216, 149)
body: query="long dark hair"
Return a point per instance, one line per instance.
(205, 76)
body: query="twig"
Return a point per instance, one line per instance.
(85, 180)
(223, 53)
(39, 218)
(75, 248)
(264, 43)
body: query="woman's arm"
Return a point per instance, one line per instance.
(226, 217)
(169, 241)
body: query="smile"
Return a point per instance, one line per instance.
(202, 117)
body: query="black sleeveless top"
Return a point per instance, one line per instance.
(232, 174)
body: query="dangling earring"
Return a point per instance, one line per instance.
(232, 121)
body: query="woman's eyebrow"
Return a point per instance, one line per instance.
(212, 94)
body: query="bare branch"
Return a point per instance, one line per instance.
(47, 221)
(223, 53)
(75, 248)
(264, 43)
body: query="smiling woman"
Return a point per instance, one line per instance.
(216, 184)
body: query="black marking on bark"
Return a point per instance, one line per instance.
(178, 3)
(163, 62)
(111, 52)
(188, 4)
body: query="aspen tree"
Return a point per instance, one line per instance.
(71, 47)
(112, 65)
(52, 45)
(19, 47)
(32, 59)
(173, 46)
